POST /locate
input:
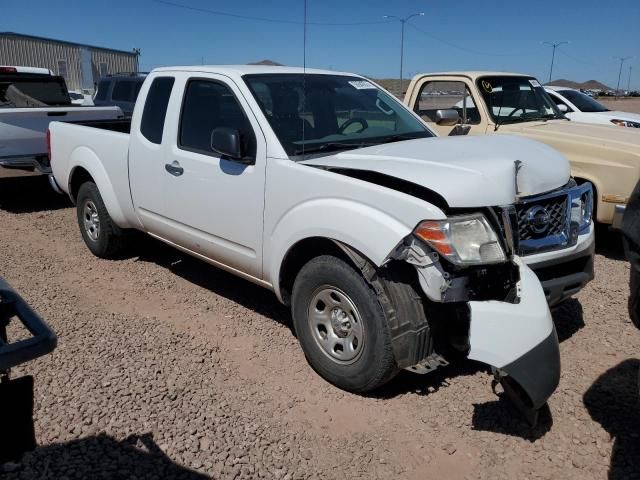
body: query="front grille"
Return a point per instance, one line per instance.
(555, 207)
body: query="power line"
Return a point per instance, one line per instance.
(265, 19)
(465, 49)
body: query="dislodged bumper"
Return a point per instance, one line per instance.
(519, 339)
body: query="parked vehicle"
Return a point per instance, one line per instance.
(516, 104)
(395, 249)
(580, 107)
(120, 90)
(80, 98)
(631, 235)
(30, 98)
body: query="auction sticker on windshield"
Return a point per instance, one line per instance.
(361, 84)
(534, 83)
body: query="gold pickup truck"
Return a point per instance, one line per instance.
(478, 103)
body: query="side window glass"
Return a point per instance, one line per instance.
(556, 99)
(155, 109)
(441, 95)
(103, 88)
(208, 105)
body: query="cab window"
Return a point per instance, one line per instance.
(446, 95)
(208, 105)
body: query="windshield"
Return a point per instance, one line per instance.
(584, 102)
(319, 113)
(33, 92)
(516, 99)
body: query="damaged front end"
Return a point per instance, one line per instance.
(495, 313)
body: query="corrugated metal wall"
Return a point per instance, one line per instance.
(34, 52)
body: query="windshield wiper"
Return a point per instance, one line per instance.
(328, 147)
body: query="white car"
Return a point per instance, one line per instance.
(80, 98)
(394, 248)
(580, 107)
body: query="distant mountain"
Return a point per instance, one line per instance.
(267, 62)
(588, 85)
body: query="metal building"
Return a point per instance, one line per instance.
(82, 66)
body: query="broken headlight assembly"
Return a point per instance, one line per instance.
(463, 240)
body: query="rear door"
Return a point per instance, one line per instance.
(214, 205)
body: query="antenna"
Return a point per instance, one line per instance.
(304, 72)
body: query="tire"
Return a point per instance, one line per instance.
(341, 326)
(103, 237)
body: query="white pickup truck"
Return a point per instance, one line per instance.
(395, 249)
(31, 98)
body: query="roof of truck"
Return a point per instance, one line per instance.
(246, 69)
(474, 74)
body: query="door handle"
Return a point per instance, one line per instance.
(174, 168)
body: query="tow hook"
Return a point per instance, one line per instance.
(515, 394)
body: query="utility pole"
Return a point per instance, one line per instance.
(403, 21)
(629, 80)
(553, 54)
(622, 60)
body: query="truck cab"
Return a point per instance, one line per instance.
(488, 103)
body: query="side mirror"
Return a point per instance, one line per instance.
(447, 117)
(226, 142)
(563, 108)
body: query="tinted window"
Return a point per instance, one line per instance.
(209, 105)
(103, 88)
(30, 91)
(584, 102)
(322, 113)
(155, 109)
(126, 90)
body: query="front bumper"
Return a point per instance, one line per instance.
(564, 273)
(519, 339)
(618, 213)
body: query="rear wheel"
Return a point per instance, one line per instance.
(103, 237)
(341, 326)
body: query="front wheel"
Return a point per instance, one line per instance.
(103, 237)
(341, 326)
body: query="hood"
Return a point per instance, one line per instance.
(631, 117)
(576, 132)
(465, 171)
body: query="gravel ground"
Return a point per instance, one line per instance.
(167, 367)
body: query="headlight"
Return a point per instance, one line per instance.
(463, 240)
(582, 206)
(625, 123)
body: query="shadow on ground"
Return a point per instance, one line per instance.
(101, 456)
(609, 243)
(216, 280)
(568, 319)
(614, 402)
(29, 194)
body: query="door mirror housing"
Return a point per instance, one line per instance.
(226, 142)
(447, 117)
(563, 108)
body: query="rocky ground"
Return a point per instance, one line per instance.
(169, 368)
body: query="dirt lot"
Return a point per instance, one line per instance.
(624, 104)
(167, 367)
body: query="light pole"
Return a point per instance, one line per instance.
(553, 55)
(622, 60)
(403, 21)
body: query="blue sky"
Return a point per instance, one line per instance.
(453, 35)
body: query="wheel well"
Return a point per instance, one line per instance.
(299, 254)
(78, 177)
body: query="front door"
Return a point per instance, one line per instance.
(442, 95)
(213, 204)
